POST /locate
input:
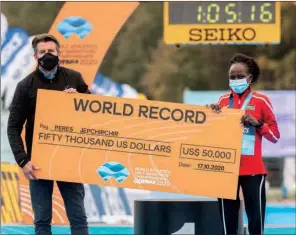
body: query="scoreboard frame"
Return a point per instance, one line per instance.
(242, 33)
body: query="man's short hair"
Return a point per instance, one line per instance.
(44, 38)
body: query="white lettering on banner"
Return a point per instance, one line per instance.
(112, 203)
(188, 229)
(112, 92)
(128, 91)
(11, 48)
(90, 205)
(115, 202)
(19, 68)
(103, 85)
(4, 28)
(101, 91)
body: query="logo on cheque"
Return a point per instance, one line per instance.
(74, 25)
(113, 170)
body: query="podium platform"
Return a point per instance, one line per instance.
(178, 216)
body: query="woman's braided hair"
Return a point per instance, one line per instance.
(250, 62)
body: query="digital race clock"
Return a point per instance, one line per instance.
(222, 22)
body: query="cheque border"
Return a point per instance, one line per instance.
(199, 159)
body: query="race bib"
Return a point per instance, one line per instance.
(248, 146)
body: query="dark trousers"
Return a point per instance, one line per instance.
(73, 197)
(253, 188)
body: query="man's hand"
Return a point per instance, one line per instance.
(250, 120)
(215, 107)
(29, 169)
(70, 90)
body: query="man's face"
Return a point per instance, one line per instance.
(45, 47)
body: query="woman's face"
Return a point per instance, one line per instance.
(239, 71)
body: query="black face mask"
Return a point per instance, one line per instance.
(48, 61)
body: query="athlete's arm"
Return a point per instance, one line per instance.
(269, 129)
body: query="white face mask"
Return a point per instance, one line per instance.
(239, 86)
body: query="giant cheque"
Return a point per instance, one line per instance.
(139, 144)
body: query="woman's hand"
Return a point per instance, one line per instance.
(250, 120)
(215, 107)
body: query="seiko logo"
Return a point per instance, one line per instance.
(222, 34)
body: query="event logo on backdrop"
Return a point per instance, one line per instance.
(85, 38)
(74, 25)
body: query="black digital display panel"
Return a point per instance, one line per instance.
(241, 12)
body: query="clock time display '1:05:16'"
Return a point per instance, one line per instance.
(235, 12)
(240, 12)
